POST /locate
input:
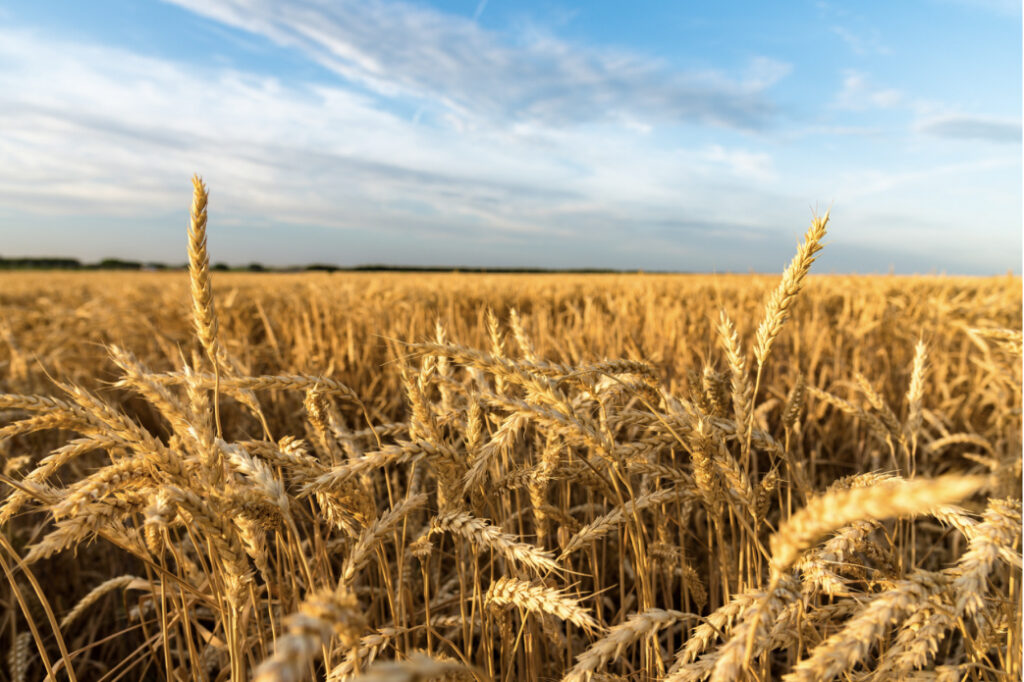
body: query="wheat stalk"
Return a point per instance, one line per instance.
(203, 314)
(637, 627)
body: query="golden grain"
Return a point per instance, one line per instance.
(510, 477)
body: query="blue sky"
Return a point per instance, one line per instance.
(669, 136)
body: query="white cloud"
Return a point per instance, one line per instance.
(742, 163)
(860, 185)
(765, 72)
(861, 43)
(858, 94)
(637, 126)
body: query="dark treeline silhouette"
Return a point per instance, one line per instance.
(40, 263)
(54, 263)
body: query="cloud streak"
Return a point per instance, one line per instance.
(986, 129)
(480, 7)
(400, 50)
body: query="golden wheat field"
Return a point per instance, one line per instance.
(509, 477)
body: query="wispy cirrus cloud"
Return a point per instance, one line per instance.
(401, 50)
(481, 5)
(114, 133)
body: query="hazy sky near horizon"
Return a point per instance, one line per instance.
(669, 136)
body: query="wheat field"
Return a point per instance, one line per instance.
(509, 477)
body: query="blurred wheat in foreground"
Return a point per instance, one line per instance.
(460, 477)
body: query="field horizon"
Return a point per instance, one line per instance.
(47, 264)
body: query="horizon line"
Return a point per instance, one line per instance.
(52, 263)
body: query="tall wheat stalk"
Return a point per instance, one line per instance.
(203, 314)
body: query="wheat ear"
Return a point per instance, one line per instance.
(417, 668)
(96, 593)
(915, 393)
(203, 314)
(537, 598)
(19, 657)
(843, 650)
(887, 499)
(482, 534)
(605, 524)
(742, 393)
(753, 633)
(781, 301)
(1000, 528)
(322, 615)
(375, 532)
(638, 626)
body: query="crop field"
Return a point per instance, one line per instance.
(509, 477)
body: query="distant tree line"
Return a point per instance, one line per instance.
(36, 263)
(53, 263)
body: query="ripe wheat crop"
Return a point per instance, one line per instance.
(217, 476)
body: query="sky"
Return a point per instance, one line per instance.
(680, 136)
